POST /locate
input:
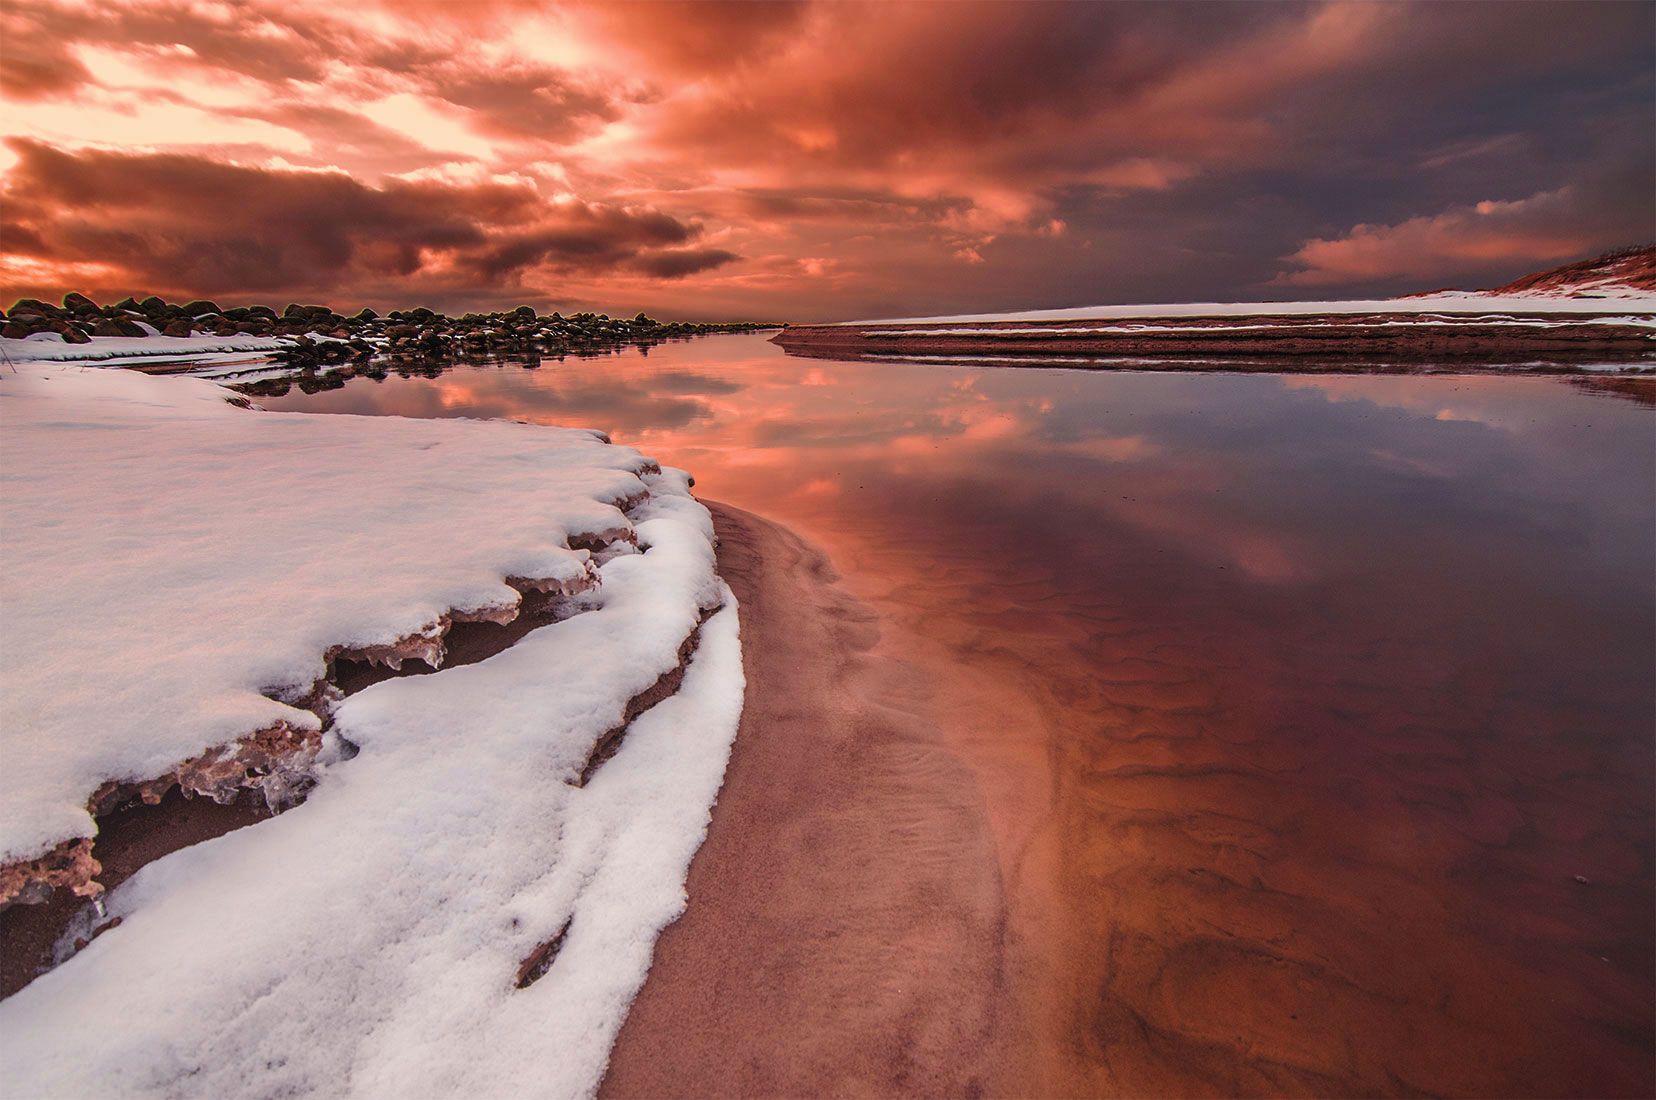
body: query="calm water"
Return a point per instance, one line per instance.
(1301, 706)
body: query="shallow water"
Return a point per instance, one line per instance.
(1312, 714)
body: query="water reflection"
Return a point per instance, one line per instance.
(1301, 706)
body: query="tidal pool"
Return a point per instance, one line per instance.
(1311, 714)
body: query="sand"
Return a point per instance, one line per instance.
(989, 841)
(846, 925)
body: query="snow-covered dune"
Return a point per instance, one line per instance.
(177, 571)
(1578, 317)
(1455, 303)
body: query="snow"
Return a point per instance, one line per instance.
(1175, 363)
(180, 554)
(50, 347)
(1424, 321)
(284, 534)
(1450, 302)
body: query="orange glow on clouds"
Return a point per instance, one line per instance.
(808, 160)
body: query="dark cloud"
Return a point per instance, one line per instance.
(869, 158)
(585, 236)
(184, 223)
(678, 263)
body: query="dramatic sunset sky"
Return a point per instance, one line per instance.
(810, 161)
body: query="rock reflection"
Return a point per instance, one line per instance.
(1311, 715)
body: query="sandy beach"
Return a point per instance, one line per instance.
(845, 934)
(1010, 857)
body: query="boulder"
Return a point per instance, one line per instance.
(110, 326)
(152, 305)
(79, 303)
(199, 306)
(365, 314)
(179, 327)
(32, 305)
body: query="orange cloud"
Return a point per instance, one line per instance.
(819, 159)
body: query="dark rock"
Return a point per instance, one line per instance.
(79, 303)
(129, 302)
(111, 326)
(365, 314)
(152, 305)
(200, 306)
(73, 335)
(177, 328)
(32, 305)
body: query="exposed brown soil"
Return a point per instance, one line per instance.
(466, 642)
(1634, 267)
(666, 685)
(130, 836)
(536, 964)
(1325, 337)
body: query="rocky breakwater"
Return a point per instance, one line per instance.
(323, 336)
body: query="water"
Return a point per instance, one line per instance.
(1313, 715)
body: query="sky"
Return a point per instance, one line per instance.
(814, 161)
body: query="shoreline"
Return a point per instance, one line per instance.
(1383, 343)
(847, 927)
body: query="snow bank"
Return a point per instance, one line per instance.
(191, 558)
(169, 556)
(1423, 321)
(1449, 302)
(49, 347)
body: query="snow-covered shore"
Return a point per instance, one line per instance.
(47, 347)
(1496, 331)
(1577, 317)
(1468, 303)
(179, 571)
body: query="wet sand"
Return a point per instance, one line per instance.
(1032, 856)
(845, 933)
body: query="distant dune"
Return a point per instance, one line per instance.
(1593, 313)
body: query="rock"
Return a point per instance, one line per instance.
(32, 305)
(152, 305)
(200, 306)
(111, 326)
(73, 335)
(177, 328)
(129, 302)
(79, 303)
(365, 315)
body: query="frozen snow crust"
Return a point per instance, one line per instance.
(171, 558)
(1611, 300)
